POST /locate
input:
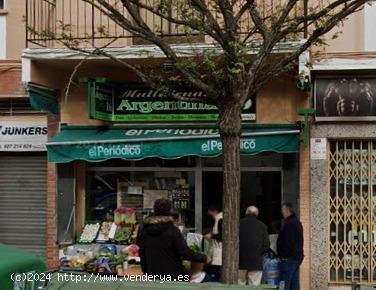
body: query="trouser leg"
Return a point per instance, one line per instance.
(286, 274)
(295, 283)
(214, 272)
(290, 274)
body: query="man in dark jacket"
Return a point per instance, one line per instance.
(290, 248)
(253, 242)
(162, 246)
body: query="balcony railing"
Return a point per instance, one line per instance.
(50, 21)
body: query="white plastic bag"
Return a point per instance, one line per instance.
(194, 239)
(217, 253)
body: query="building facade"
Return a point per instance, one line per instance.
(342, 133)
(23, 137)
(330, 183)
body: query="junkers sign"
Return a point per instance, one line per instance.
(23, 136)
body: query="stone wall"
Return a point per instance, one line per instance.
(319, 196)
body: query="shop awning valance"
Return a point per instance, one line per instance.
(43, 98)
(134, 143)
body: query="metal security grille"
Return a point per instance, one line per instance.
(16, 106)
(352, 212)
(23, 201)
(49, 20)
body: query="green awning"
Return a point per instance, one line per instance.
(102, 143)
(14, 260)
(43, 98)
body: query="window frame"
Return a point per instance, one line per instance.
(3, 5)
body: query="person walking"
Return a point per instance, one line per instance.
(253, 242)
(215, 237)
(162, 246)
(290, 248)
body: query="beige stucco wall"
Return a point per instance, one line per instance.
(276, 103)
(350, 37)
(15, 28)
(279, 100)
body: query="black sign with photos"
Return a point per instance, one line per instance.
(345, 98)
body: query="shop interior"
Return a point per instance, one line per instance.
(118, 194)
(260, 188)
(138, 190)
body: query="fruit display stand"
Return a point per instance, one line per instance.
(79, 256)
(107, 247)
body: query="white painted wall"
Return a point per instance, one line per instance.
(26, 70)
(3, 37)
(370, 27)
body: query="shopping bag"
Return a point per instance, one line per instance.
(217, 253)
(194, 239)
(208, 248)
(271, 269)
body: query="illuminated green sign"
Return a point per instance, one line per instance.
(139, 103)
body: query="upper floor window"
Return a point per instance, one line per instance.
(2, 4)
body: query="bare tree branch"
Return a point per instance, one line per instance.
(258, 21)
(145, 78)
(229, 19)
(198, 24)
(140, 28)
(286, 10)
(280, 67)
(71, 79)
(243, 9)
(202, 6)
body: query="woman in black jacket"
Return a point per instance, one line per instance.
(162, 246)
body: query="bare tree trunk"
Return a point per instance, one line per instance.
(230, 128)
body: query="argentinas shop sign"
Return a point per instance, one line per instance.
(139, 103)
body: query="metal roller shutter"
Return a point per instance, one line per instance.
(23, 202)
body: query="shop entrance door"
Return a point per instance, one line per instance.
(260, 188)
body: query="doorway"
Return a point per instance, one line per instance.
(260, 188)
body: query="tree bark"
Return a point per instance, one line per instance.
(230, 129)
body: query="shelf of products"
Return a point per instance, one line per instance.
(107, 243)
(98, 258)
(180, 196)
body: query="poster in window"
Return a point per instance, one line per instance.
(345, 98)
